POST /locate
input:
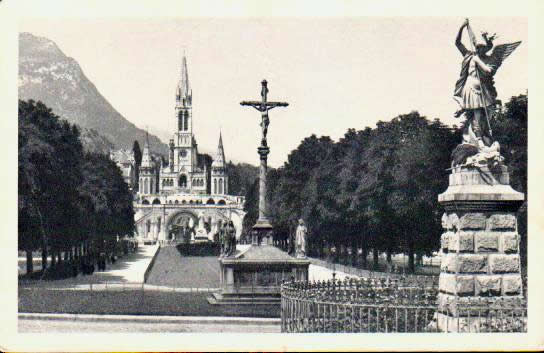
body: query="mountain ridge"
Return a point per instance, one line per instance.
(48, 75)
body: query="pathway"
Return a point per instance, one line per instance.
(69, 323)
(127, 269)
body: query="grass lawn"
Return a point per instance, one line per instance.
(133, 302)
(174, 270)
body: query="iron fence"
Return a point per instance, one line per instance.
(391, 305)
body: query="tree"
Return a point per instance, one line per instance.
(137, 161)
(49, 157)
(510, 129)
(66, 198)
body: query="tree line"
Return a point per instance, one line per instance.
(69, 201)
(376, 189)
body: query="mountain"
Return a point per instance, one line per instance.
(92, 141)
(48, 75)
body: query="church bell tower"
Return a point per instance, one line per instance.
(184, 151)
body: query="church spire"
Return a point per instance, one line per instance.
(219, 161)
(146, 155)
(183, 90)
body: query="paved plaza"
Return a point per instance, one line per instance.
(69, 323)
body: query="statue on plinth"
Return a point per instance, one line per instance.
(229, 238)
(300, 241)
(201, 231)
(476, 95)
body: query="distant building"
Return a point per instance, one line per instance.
(185, 199)
(125, 161)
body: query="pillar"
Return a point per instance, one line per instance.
(229, 275)
(480, 245)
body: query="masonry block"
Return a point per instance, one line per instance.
(445, 241)
(502, 222)
(509, 242)
(511, 285)
(475, 221)
(453, 221)
(448, 263)
(446, 283)
(465, 285)
(471, 264)
(487, 242)
(504, 263)
(488, 285)
(462, 242)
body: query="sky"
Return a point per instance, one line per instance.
(335, 73)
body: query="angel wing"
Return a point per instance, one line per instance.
(501, 52)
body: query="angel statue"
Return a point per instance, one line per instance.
(476, 94)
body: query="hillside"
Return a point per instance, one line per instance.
(48, 75)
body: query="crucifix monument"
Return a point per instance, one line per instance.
(253, 274)
(263, 228)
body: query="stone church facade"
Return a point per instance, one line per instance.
(185, 199)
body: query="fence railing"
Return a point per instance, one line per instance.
(389, 305)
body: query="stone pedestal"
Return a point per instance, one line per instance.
(480, 244)
(254, 275)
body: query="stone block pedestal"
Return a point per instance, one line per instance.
(480, 245)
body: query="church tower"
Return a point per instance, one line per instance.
(220, 180)
(147, 171)
(185, 148)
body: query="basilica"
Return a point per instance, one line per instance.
(186, 198)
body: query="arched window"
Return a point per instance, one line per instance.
(151, 186)
(180, 120)
(214, 186)
(145, 202)
(186, 121)
(183, 202)
(176, 202)
(141, 185)
(170, 202)
(146, 186)
(221, 202)
(190, 202)
(210, 202)
(156, 202)
(183, 181)
(220, 186)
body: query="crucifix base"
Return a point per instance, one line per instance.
(254, 274)
(262, 233)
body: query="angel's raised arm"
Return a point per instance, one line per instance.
(458, 42)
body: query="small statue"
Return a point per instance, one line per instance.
(475, 91)
(230, 239)
(222, 240)
(300, 240)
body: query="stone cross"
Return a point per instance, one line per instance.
(263, 227)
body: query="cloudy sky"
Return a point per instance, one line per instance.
(335, 73)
